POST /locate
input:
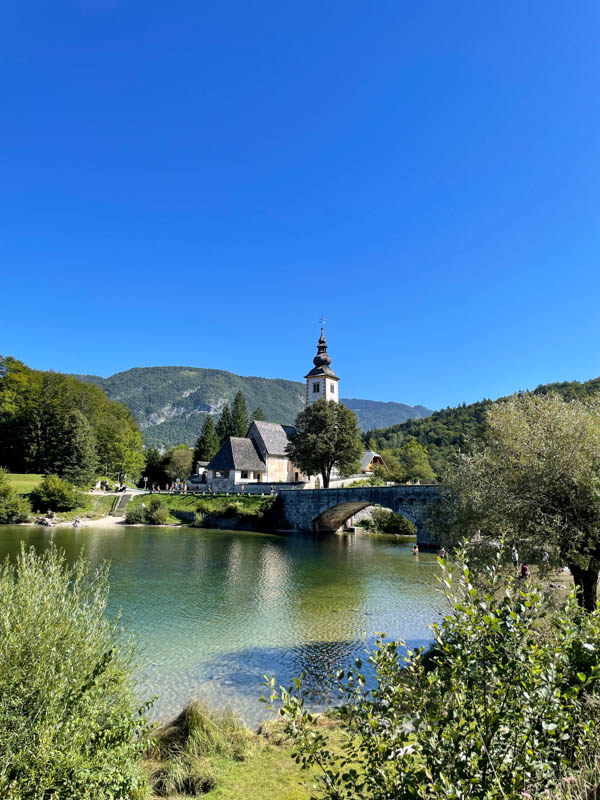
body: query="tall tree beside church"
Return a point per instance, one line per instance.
(225, 425)
(239, 416)
(258, 414)
(207, 443)
(327, 436)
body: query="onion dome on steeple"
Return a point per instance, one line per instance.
(322, 360)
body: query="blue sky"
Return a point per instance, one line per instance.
(195, 183)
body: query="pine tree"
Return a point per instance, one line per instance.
(207, 444)
(76, 459)
(258, 414)
(239, 416)
(225, 425)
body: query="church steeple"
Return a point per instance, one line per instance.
(321, 381)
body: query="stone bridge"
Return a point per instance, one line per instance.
(326, 510)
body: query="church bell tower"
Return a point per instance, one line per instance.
(321, 381)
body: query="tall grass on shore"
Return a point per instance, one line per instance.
(68, 718)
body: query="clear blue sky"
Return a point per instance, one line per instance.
(195, 183)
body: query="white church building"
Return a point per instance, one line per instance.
(260, 457)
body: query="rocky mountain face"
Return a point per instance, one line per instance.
(170, 403)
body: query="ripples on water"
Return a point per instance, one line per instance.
(216, 610)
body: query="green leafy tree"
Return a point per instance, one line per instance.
(327, 436)
(155, 466)
(225, 427)
(178, 462)
(385, 521)
(76, 458)
(503, 707)
(410, 462)
(239, 416)
(258, 414)
(13, 508)
(120, 448)
(70, 722)
(56, 494)
(207, 444)
(534, 479)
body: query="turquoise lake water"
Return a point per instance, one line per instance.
(216, 610)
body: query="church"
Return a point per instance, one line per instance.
(260, 457)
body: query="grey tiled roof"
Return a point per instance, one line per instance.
(322, 371)
(237, 453)
(274, 436)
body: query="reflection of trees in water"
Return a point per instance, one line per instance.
(320, 661)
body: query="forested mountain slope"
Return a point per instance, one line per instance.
(170, 403)
(444, 432)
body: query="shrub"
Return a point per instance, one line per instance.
(13, 507)
(505, 706)
(155, 513)
(385, 521)
(56, 494)
(68, 718)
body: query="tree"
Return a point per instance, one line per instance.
(409, 463)
(225, 425)
(178, 462)
(535, 481)
(239, 416)
(327, 436)
(76, 460)
(258, 414)
(207, 444)
(155, 466)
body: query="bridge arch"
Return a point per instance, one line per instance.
(333, 518)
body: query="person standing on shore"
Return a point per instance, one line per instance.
(514, 554)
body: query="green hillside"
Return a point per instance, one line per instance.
(170, 403)
(444, 432)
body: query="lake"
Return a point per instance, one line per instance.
(216, 610)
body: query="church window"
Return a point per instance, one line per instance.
(244, 474)
(332, 388)
(316, 388)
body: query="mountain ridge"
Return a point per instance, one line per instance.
(170, 403)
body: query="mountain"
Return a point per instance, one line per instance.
(170, 403)
(444, 432)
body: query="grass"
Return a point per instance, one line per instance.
(204, 753)
(98, 506)
(24, 483)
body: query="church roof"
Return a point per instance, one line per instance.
(237, 453)
(274, 436)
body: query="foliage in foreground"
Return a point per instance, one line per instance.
(56, 494)
(13, 508)
(533, 480)
(70, 728)
(505, 706)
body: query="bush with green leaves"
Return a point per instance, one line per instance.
(13, 507)
(505, 705)
(155, 513)
(70, 724)
(385, 521)
(56, 494)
